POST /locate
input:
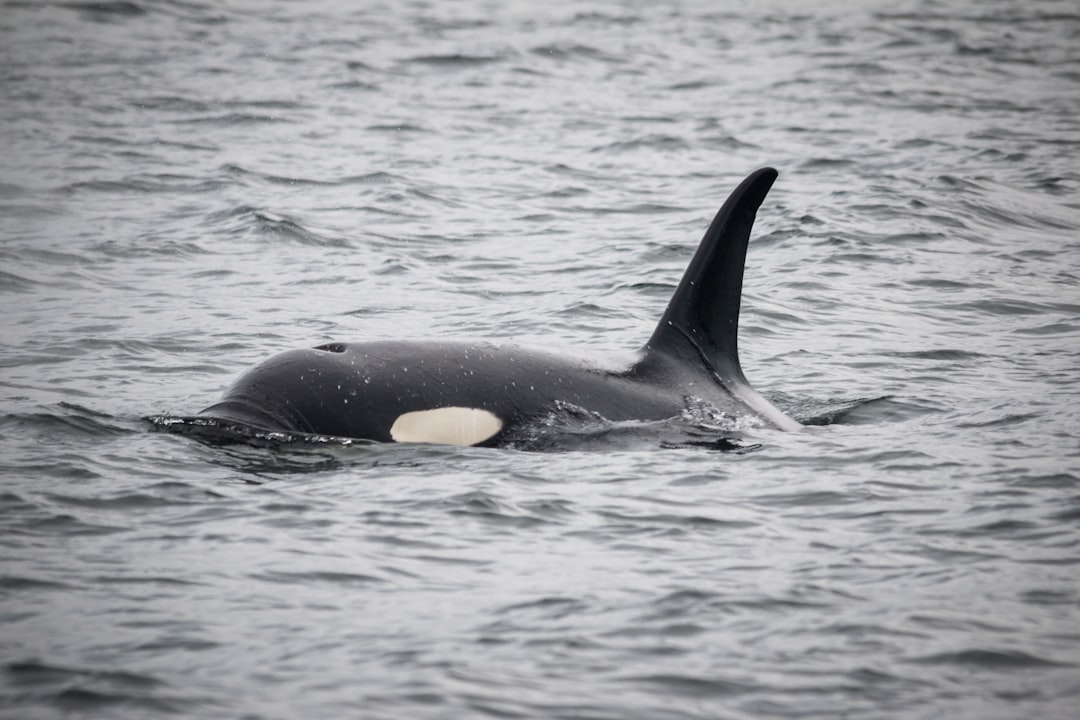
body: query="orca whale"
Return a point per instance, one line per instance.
(488, 394)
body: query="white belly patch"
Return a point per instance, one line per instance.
(446, 426)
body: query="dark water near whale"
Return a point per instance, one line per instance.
(190, 187)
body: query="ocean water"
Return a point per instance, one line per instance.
(187, 188)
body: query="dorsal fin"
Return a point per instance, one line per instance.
(701, 323)
(700, 328)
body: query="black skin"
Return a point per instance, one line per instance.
(358, 390)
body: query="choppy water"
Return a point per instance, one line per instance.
(188, 188)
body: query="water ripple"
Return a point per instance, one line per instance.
(190, 188)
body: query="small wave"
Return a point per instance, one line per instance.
(823, 498)
(693, 686)
(989, 659)
(307, 578)
(355, 85)
(102, 10)
(95, 691)
(600, 18)
(826, 412)
(234, 119)
(145, 184)
(578, 173)
(149, 144)
(943, 354)
(433, 24)
(587, 310)
(648, 522)
(1050, 597)
(454, 60)
(573, 51)
(826, 163)
(84, 701)
(10, 282)
(246, 220)
(727, 142)
(545, 608)
(11, 190)
(71, 419)
(359, 65)
(147, 580)
(1055, 328)
(665, 143)
(398, 128)
(1003, 306)
(63, 525)
(998, 420)
(692, 85)
(860, 411)
(264, 104)
(373, 178)
(994, 204)
(493, 508)
(161, 495)
(235, 171)
(15, 583)
(1054, 480)
(172, 103)
(127, 250)
(36, 673)
(635, 209)
(1018, 529)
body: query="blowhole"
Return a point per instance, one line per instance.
(332, 347)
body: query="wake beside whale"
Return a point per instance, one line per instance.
(485, 394)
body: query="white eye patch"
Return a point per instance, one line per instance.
(446, 426)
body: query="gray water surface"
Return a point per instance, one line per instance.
(189, 188)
